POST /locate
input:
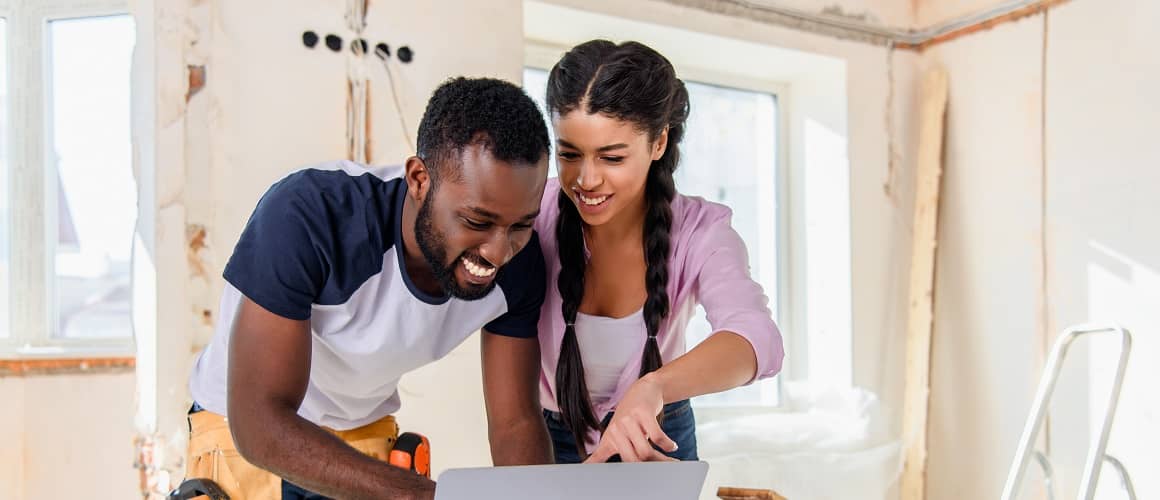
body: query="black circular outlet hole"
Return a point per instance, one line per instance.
(334, 42)
(309, 39)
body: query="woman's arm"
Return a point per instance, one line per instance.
(723, 361)
(746, 346)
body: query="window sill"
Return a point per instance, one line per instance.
(34, 366)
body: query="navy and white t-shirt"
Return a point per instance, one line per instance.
(325, 244)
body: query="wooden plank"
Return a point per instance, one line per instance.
(727, 493)
(60, 366)
(920, 322)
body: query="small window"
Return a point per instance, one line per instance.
(89, 178)
(729, 155)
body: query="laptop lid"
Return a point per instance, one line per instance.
(639, 481)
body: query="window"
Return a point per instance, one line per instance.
(90, 160)
(70, 198)
(4, 198)
(729, 155)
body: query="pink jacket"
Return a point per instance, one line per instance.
(708, 265)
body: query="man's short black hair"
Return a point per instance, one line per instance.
(493, 113)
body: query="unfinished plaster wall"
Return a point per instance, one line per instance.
(932, 13)
(67, 436)
(268, 106)
(891, 13)
(985, 351)
(1029, 247)
(1103, 255)
(13, 436)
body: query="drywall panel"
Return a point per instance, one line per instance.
(12, 435)
(932, 13)
(79, 437)
(1103, 194)
(988, 278)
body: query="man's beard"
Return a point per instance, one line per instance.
(431, 245)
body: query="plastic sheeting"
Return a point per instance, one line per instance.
(822, 444)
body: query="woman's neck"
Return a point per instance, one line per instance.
(628, 226)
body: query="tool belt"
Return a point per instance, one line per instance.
(214, 456)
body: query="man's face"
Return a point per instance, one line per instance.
(471, 225)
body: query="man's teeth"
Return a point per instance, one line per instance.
(477, 270)
(592, 201)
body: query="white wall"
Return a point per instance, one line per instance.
(931, 13)
(13, 436)
(987, 309)
(67, 436)
(892, 13)
(1003, 292)
(1103, 195)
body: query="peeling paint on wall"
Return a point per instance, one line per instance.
(195, 236)
(196, 80)
(837, 11)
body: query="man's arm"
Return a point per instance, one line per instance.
(515, 423)
(269, 369)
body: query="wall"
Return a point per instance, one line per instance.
(932, 13)
(1102, 195)
(67, 436)
(269, 106)
(12, 434)
(891, 13)
(1029, 247)
(989, 272)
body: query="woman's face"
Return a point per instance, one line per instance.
(603, 164)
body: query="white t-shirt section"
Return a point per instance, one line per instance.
(608, 346)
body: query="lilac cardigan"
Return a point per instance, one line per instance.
(708, 265)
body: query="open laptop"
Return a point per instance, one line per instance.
(638, 481)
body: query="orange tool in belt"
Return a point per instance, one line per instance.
(412, 452)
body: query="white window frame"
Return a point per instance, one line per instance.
(543, 55)
(33, 207)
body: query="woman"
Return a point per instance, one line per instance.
(628, 261)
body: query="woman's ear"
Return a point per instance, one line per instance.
(661, 144)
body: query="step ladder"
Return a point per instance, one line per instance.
(1097, 450)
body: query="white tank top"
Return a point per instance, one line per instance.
(607, 346)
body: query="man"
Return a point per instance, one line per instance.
(342, 281)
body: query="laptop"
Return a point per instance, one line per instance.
(638, 481)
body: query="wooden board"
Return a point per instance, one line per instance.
(727, 493)
(920, 319)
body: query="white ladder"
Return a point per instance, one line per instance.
(1097, 451)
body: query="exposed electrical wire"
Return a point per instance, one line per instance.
(383, 53)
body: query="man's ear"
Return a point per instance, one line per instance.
(418, 179)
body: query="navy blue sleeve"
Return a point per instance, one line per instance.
(523, 282)
(279, 262)
(315, 237)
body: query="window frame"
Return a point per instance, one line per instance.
(32, 206)
(543, 55)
